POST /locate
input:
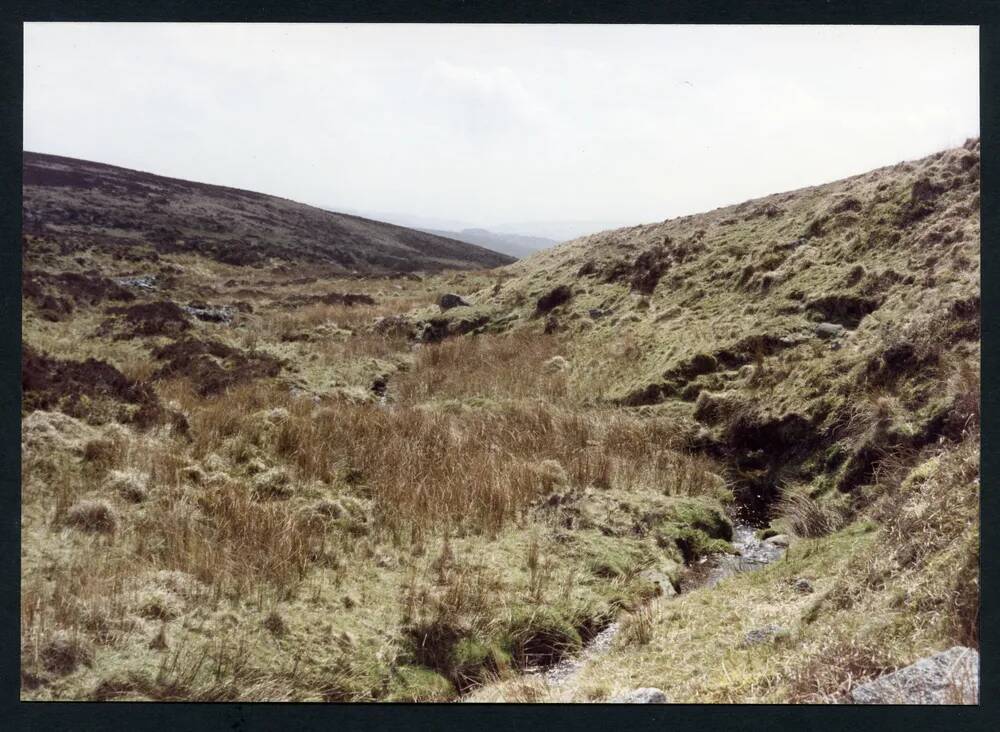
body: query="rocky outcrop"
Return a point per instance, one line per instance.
(949, 677)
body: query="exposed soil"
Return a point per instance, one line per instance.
(145, 319)
(349, 299)
(211, 366)
(92, 390)
(57, 294)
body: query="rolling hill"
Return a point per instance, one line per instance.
(88, 204)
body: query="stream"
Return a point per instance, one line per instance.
(753, 554)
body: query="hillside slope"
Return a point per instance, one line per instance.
(87, 204)
(823, 345)
(765, 323)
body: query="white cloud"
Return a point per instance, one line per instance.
(501, 123)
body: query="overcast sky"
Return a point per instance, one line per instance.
(501, 124)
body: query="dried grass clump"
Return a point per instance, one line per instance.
(637, 627)
(836, 667)
(275, 624)
(131, 485)
(274, 483)
(93, 516)
(43, 431)
(101, 452)
(494, 367)
(158, 604)
(64, 651)
(807, 516)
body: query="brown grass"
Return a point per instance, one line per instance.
(807, 516)
(490, 367)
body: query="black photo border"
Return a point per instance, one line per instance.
(86, 716)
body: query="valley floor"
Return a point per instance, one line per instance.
(291, 498)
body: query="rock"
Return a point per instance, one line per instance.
(759, 636)
(647, 695)
(802, 585)
(778, 540)
(210, 314)
(145, 282)
(948, 677)
(661, 580)
(830, 330)
(449, 300)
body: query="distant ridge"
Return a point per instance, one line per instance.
(90, 204)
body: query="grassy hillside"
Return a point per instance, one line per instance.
(837, 320)
(77, 204)
(823, 345)
(275, 482)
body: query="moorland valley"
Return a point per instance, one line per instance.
(274, 453)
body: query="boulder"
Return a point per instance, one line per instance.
(647, 695)
(777, 540)
(449, 300)
(211, 314)
(759, 636)
(144, 282)
(665, 588)
(948, 677)
(830, 330)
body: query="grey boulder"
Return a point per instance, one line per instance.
(759, 636)
(664, 587)
(647, 695)
(802, 585)
(830, 330)
(948, 677)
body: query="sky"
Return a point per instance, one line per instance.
(501, 125)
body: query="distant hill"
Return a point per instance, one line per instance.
(88, 204)
(516, 245)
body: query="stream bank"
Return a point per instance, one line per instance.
(752, 554)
